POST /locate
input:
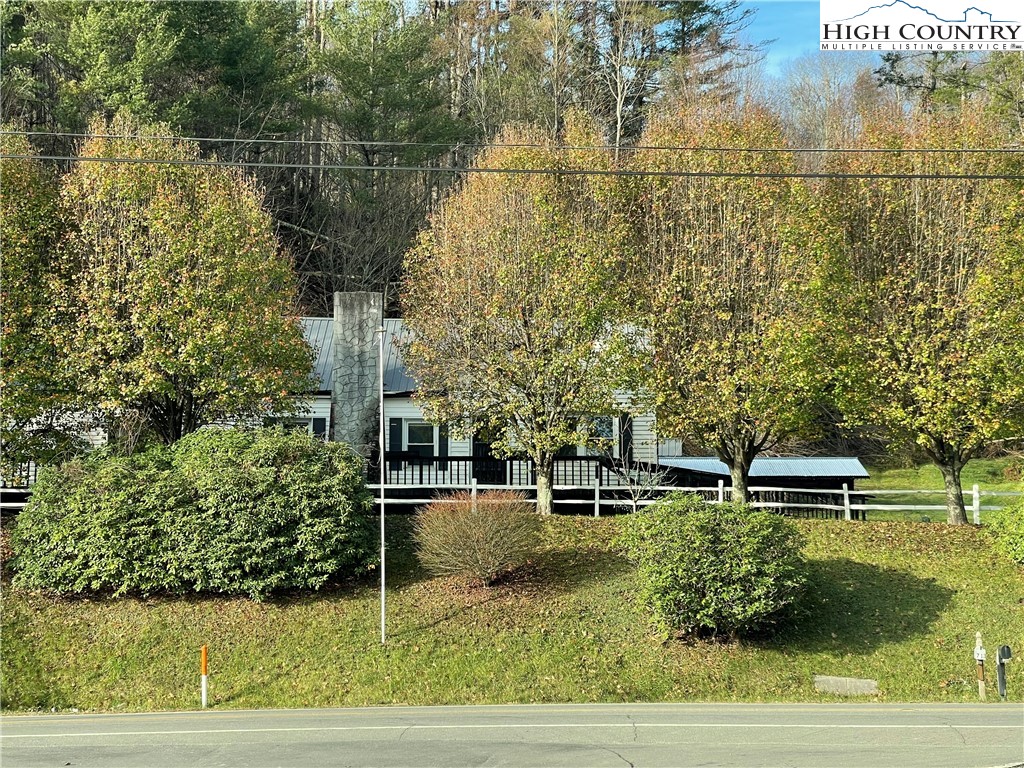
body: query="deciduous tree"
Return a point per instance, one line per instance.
(175, 299)
(31, 397)
(930, 299)
(729, 359)
(509, 297)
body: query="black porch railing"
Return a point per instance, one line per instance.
(18, 475)
(404, 468)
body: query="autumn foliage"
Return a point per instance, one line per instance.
(174, 300)
(728, 266)
(510, 300)
(927, 298)
(31, 423)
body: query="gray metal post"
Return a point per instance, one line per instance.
(380, 399)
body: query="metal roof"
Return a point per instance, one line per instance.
(319, 333)
(396, 378)
(774, 466)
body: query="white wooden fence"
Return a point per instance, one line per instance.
(852, 504)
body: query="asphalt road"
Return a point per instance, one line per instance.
(869, 735)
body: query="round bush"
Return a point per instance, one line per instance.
(1006, 526)
(479, 539)
(95, 524)
(224, 510)
(714, 569)
(276, 510)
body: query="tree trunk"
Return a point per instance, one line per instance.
(740, 474)
(950, 459)
(545, 481)
(738, 453)
(956, 513)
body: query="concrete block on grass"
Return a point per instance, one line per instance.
(845, 686)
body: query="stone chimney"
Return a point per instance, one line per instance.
(355, 383)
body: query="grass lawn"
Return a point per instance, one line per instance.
(898, 602)
(988, 474)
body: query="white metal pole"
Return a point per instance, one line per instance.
(979, 657)
(380, 397)
(976, 503)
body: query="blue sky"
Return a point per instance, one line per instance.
(793, 24)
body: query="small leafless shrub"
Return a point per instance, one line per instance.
(478, 539)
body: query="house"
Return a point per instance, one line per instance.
(421, 458)
(346, 369)
(425, 456)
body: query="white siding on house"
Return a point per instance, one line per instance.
(460, 447)
(318, 407)
(307, 410)
(645, 442)
(96, 437)
(670, 447)
(407, 410)
(402, 408)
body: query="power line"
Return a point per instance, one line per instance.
(513, 145)
(519, 171)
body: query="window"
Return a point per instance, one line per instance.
(289, 425)
(316, 427)
(603, 430)
(420, 439)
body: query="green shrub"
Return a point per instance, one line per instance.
(1006, 526)
(231, 511)
(276, 510)
(94, 524)
(709, 569)
(480, 539)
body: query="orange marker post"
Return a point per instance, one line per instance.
(203, 669)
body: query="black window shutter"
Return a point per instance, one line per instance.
(626, 438)
(442, 447)
(395, 442)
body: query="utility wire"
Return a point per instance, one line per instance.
(485, 145)
(519, 171)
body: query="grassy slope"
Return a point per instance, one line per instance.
(892, 601)
(987, 473)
